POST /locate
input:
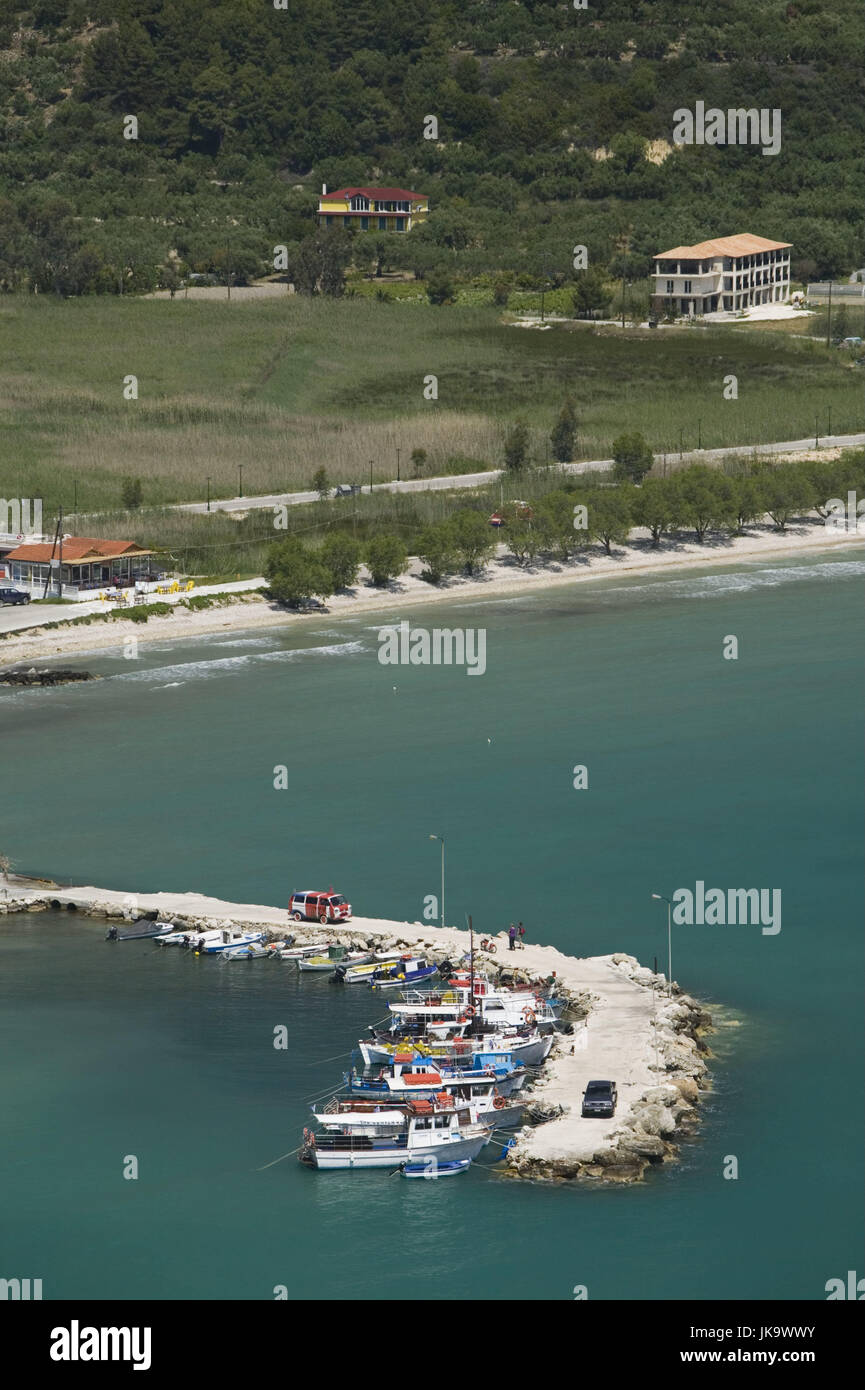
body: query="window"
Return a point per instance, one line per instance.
(359, 203)
(687, 287)
(382, 224)
(669, 287)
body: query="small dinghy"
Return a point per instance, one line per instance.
(432, 1169)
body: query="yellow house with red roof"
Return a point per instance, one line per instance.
(372, 209)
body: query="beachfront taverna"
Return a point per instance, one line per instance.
(728, 273)
(79, 564)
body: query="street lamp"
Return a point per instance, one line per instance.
(441, 838)
(208, 492)
(397, 464)
(240, 480)
(661, 898)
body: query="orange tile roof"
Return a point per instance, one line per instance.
(743, 244)
(77, 550)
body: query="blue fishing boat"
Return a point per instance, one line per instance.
(408, 970)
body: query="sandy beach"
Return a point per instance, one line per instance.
(503, 578)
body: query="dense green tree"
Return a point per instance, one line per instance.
(610, 514)
(474, 538)
(564, 433)
(294, 575)
(704, 501)
(386, 559)
(657, 506)
(438, 548)
(632, 457)
(516, 447)
(341, 555)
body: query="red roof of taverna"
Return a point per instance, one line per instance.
(79, 548)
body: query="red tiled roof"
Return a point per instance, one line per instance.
(742, 244)
(401, 193)
(76, 549)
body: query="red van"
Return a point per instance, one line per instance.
(319, 907)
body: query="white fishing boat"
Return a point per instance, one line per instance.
(501, 1007)
(229, 938)
(421, 1131)
(476, 1090)
(253, 950)
(297, 953)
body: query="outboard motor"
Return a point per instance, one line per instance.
(111, 934)
(338, 976)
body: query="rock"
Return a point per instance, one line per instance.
(646, 1145)
(687, 1088)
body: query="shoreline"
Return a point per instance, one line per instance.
(622, 1027)
(503, 578)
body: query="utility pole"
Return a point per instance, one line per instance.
(74, 495)
(240, 477)
(370, 477)
(699, 434)
(228, 275)
(208, 492)
(397, 463)
(60, 565)
(816, 432)
(829, 318)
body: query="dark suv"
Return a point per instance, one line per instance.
(14, 596)
(599, 1100)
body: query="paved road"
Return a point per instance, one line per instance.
(469, 480)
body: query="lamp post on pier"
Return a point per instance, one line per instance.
(442, 841)
(661, 898)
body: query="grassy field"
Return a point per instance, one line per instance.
(283, 387)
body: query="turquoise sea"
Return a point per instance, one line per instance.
(745, 773)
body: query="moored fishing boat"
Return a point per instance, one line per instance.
(229, 938)
(253, 950)
(527, 1046)
(409, 1074)
(408, 970)
(418, 1131)
(140, 930)
(337, 955)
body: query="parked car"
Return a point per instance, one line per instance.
(599, 1100)
(319, 907)
(14, 596)
(346, 490)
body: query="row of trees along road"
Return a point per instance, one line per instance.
(566, 520)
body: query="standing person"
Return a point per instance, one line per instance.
(521, 932)
(512, 935)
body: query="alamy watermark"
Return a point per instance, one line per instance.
(717, 907)
(847, 517)
(737, 126)
(442, 646)
(21, 516)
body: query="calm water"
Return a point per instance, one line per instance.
(741, 773)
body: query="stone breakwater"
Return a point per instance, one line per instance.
(621, 1025)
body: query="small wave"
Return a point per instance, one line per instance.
(334, 649)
